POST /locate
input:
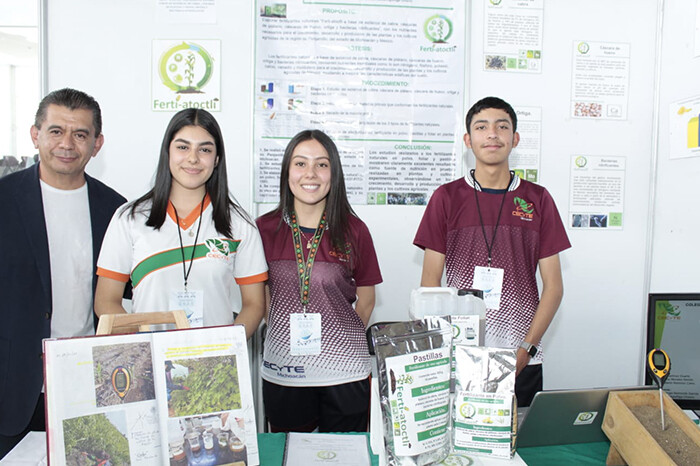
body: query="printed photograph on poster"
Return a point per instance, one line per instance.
(186, 11)
(186, 74)
(600, 78)
(597, 192)
(684, 128)
(513, 35)
(387, 88)
(524, 160)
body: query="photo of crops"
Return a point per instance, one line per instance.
(97, 439)
(205, 385)
(123, 373)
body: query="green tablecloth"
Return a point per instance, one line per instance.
(271, 447)
(556, 455)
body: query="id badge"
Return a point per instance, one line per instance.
(490, 281)
(304, 334)
(190, 301)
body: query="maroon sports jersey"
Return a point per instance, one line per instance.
(344, 356)
(530, 229)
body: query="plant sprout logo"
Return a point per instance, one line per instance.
(583, 48)
(467, 410)
(438, 29)
(326, 455)
(523, 205)
(581, 161)
(670, 309)
(186, 68)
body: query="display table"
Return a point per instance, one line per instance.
(31, 451)
(271, 446)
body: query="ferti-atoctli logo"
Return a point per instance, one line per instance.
(585, 418)
(186, 75)
(438, 29)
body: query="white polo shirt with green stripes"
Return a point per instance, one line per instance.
(153, 259)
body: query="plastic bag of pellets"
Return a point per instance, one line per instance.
(484, 410)
(413, 362)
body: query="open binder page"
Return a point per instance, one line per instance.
(180, 397)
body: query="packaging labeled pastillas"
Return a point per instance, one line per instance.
(413, 361)
(484, 409)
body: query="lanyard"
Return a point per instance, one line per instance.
(186, 270)
(489, 247)
(304, 269)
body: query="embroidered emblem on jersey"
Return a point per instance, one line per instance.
(523, 209)
(217, 249)
(340, 255)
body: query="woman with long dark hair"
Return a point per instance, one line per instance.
(184, 242)
(323, 269)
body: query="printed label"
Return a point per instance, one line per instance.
(419, 398)
(465, 330)
(483, 423)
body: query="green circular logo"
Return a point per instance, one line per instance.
(438, 29)
(583, 417)
(467, 410)
(326, 455)
(457, 459)
(583, 47)
(581, 161)
(455, 331)
(186, 68)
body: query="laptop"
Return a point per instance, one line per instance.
(560, 417)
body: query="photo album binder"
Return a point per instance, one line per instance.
(182, 397)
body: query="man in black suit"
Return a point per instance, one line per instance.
(52, 220)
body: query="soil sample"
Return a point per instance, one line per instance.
(672, 440)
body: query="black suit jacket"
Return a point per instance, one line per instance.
(25, 287)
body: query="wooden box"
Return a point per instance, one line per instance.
(631, 442)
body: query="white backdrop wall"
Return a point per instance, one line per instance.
(676, 255)
(104, 47)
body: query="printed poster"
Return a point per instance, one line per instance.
(186, 11)
(684, 126)
(597, 192)
(600, 80)
(513, 35)
(525, 159)
(384, 80)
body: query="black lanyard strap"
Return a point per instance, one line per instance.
(186, 270)
(489, 247)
